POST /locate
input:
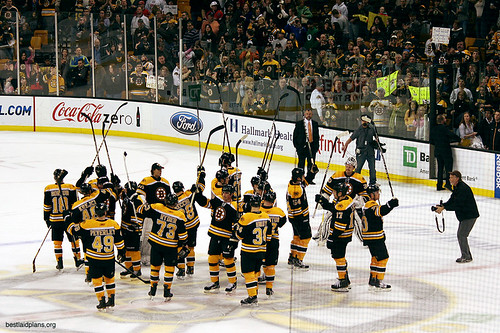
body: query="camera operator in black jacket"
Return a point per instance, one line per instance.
(463, 203)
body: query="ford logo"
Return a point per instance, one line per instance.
(186, 123)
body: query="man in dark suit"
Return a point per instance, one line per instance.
(441, 137)
(306, 141)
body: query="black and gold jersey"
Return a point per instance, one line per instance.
(56, 201)
(131, 219)
(254, 230)
(278, 219)
(216, 189)
(373, 223)
(296, 201)
(153, 190)
(84, 209)
(356, 183)
(271, 69)
(189, 210)
(168, 226)
(342, 222)
(99, 238)
(224, 216)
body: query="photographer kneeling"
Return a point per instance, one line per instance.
(463, 203)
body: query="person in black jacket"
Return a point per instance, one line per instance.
(463, 203)
(305, 135)
(441, 137)
(495, 132)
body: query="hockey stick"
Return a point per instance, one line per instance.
(93, 134)
(237, 145)
(125, 164)
(198, 129)
(218, 128)
(328, 165)
(106, 148)
(226, 134)
(383, 158)
(273, 144)
(70, 236)
(131, 272)
(109, 127)
(36, 255)
(238, 183)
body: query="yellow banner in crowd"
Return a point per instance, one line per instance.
(389, 83)
(371, 17)
(422, 95)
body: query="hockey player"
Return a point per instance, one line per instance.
(298, 214)
(131, 228)
(356, 190)
(234, 173)
(100, 235)
(254, 230)
(59, 197)
(222, 238)
(168, 232)
(192, 223)
(154, 189)
(374, 236)
(278, 220)
(84, 209)
(340, 233)
(221, 179)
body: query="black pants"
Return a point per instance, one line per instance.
(305, 156)
(463, 232)
(443, 163)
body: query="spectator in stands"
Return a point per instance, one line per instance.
(114, 82)
(191, 35)
(410, 117)
(318, 102)
(79, 78)
(137, 83)
(8, 13)
(380, 110)
(25, 35)
(77, 57)
(50, 79)
(397, 124)
(134, 24)
(419, 123)
(461, 105)
(494, 135)
(468, 132)
(35, 80)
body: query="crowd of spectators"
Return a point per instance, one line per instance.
(249, 52)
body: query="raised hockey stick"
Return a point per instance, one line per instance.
(70, 236)
(106, 148)
(125, 164)
(107, 131)
(93, 135)
(226, 133)
(237, 145)
(328, 165)
(273, 144)
(36, 255)
(218, 128)
(131, 272)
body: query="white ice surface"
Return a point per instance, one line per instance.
(430, 291)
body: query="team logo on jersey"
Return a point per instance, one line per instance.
(186, 123)
(220, 214)
(161, 193)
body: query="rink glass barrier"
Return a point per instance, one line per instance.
(121, 62)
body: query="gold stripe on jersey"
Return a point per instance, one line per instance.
(216, 190)
(275, 214)
(358, 183)
(165, 241)
(371, 204)
(171, 216)
(95, 229)
(219, 232)
(373, 235)
(254, 241)
(54, 205)
(184, 204)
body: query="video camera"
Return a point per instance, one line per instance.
(434, 208)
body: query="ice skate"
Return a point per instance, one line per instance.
(377, 285)
(212, 288)
(250, 301)
(231, 288)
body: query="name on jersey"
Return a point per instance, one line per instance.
(86, 205)
(183, 203)
(167, 218)
(102, 232)
(57, 194)
(259, 224)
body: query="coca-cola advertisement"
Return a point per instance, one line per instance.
(73, 112)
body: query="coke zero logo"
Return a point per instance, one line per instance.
(74, 113)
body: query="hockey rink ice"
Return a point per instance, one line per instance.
(430, 292)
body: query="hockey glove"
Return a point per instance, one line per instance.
(201, 173)
(262, 174)
(314, 169)
(88, 171)
(60, 176)
(183, 253)
(393, 203)
(229, 250)
(115, 180)
(67, 215)
(121, 256)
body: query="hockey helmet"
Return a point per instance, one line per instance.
(59, 175)
(341, 188)
(351, 161)
(86, 189)
(178, 187)
(131, 187)
(264, 186)
(255, 180)
(100, 170)
(255, 201)
(101, 209)
(221, 174)
(297, 173)
(226, 159)
(171, 199)
(269, 196)
(372, 188)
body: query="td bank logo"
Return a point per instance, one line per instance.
(410, 156)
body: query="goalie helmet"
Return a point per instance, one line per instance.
(86, 189)
(101, 209)
(171, 199)
(351, 161)
(100, 170)
(177, 187)
(131, 187)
